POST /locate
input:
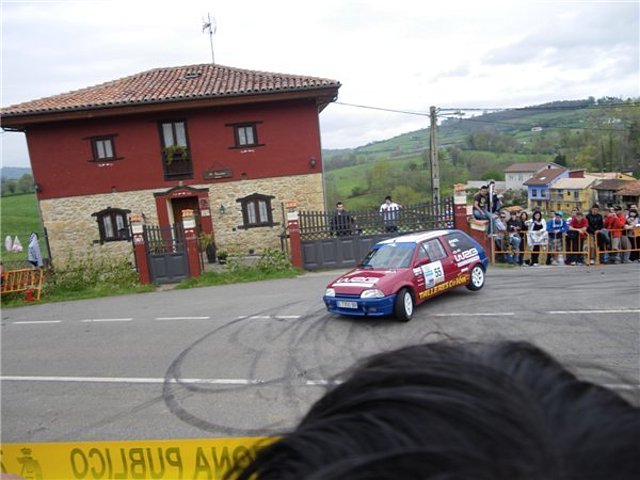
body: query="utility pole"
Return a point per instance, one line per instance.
(433, 154)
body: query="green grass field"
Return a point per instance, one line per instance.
(19, 217)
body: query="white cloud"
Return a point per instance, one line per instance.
(404, 55)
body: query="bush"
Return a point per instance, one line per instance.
(273, 260)
(90, 272)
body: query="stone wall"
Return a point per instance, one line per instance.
(73, 231)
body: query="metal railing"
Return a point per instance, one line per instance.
(315, 225)
(567, 248)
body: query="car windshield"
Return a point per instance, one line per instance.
(389, 255)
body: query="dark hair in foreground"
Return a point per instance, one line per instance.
(459, 411)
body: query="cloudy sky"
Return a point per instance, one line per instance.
(401, 55)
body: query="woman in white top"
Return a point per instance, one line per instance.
(537, 235)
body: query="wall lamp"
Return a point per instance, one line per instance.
(222, 209)
(37, 187)
(312, 162)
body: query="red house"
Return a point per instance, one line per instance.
(231, 144)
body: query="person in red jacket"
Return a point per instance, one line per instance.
(614, 222)
(577, 234)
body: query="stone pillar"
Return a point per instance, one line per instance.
(477, 229)
(191, 242)
(139, 251)
(460, 220)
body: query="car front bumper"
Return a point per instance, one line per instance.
(360, 307)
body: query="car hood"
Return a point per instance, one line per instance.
(355, 281)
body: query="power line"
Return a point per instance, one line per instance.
(382, 109)
(508, 109)
(492, 109)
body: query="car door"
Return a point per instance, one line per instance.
(432, 277)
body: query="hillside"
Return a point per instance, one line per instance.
(14, 173)
(599, 135)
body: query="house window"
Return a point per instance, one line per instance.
(256, 211)
(112, 224)
(245, 134)
(534, 192)
(174, 133)
(176, 157)
(103, 149)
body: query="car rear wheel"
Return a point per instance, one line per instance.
(404, 305)
(477, 278)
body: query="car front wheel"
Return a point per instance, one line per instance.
(404, 305)
(477, 278)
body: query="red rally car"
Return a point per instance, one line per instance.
(404, 271)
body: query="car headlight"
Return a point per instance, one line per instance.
(330, 292)
(372, 293)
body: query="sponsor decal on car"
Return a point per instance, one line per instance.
(366, 282)
(433, 274)
(466, 257)
(459, 280)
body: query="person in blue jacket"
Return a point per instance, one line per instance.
(557, 228)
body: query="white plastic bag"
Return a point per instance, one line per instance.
(17, 246)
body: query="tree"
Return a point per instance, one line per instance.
(561, 159)
(25, 184)
(493, 175)
(9, 186)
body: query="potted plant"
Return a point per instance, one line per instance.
(206, 242)
(222, 257)
(175, 152)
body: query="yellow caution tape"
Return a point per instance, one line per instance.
(141, 459)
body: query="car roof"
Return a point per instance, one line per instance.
(417, 237)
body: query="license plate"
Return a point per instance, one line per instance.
(343, 304)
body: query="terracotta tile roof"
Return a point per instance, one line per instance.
(527, 167)
(544, 177)
(632, 189)
(612, 184)
(169, 84)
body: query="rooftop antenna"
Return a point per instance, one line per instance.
(211, 26)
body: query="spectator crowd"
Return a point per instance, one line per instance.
(610, 238)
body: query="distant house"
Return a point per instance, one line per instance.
(518, 173)
(606, 191)
(629, 194)
(613, 176)
(538, 186)
(572, 192)
(231, 144)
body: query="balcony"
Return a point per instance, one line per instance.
(177, 164)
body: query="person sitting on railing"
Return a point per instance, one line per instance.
(556, 227)
(481, 209)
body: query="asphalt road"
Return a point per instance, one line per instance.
(243, 360)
